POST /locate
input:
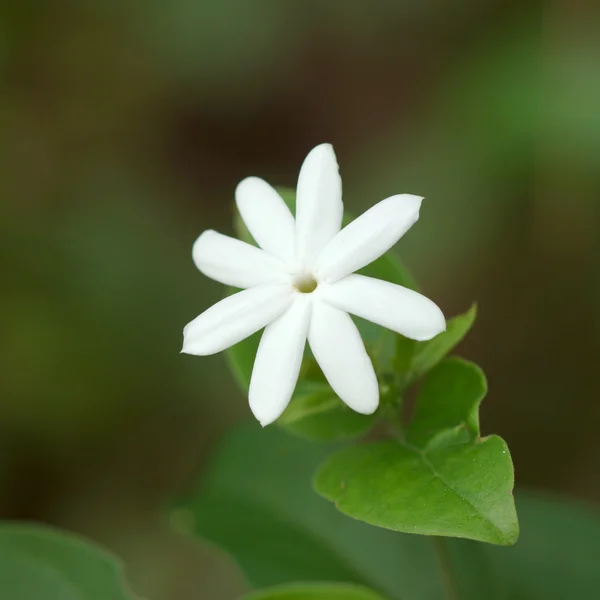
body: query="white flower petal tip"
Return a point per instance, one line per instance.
(233, 262)
(319, 208)
(235, 318)
(267, 217)
(341, 354)
(368, 237)
(402, 310)
(278, 361)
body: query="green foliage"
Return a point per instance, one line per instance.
(317, 591)
(256, 504)
(457, 490)
(390, 268)
(317, 414)
(428, 354)
(448, 403)
(241, 359)
(465, 482)
(38, 562)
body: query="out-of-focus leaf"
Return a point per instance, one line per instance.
(256, 503)
(40, 563)
(463, 482)
(556, 556)
(241, 359)
(316, 591)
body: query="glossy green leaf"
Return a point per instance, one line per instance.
(41, 563)
(428, 354)
(256, 503)
(463, 483)
(449, 399)
(462, 490)
(317, 414)
(316, 591)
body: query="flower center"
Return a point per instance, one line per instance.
(305, 283)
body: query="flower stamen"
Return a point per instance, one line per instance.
(305, 283)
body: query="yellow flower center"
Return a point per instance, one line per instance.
(305, 283)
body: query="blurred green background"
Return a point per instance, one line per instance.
(124, 128)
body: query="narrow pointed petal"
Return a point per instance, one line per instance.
(234, 262)
(235, 318)
(278, 361)
(338, 348)
(393, 306)
(319, 207)
(267, 217)
(368, 237)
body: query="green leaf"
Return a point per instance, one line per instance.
(316, 591)
(459, 490)
(38, 562)
(240, 359)
(449, 399)
(463, 483)
(390, 268)
(257, 504)
(403, 354)
(428, 354)
(317, 414)
(556, 558)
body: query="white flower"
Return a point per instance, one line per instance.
(299, 285)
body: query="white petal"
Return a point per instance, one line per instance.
(278, 361)
(368, 237)
(234, 262)
(319, 205)
(392, 306)
(235, 318)
(338, 348)
(267, 217)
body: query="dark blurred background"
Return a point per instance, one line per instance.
(124, 128)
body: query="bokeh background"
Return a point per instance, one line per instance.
(124, 128)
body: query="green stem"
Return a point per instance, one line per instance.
(445, 566)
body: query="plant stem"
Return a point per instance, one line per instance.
(445, 566)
